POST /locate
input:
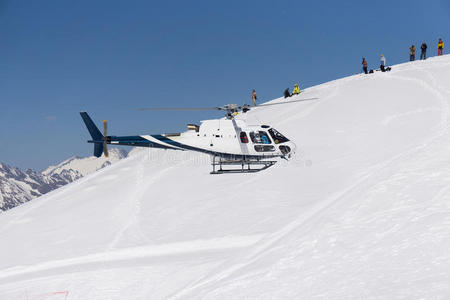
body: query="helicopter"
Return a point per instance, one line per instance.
(234, 146)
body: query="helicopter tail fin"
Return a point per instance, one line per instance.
(98, 149)
(97, 137)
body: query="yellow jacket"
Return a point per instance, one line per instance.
(441, 45)
(296, 90)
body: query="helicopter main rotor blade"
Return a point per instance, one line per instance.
(179, 108)
(287, 102)
(229, 108)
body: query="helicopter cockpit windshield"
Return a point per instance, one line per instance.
(277, 137)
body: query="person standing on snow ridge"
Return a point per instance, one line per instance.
(364, 63)
(440, 47)
(382, 63)
(423, 53)
(286, 93)
(296, 90)
(412, 53)
(254, 97)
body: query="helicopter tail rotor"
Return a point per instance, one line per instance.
(105, 148)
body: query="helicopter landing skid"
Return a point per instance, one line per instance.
(239, 166)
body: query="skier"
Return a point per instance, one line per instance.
(296, 90)
(412, 53)
(382, 63)
(254, 97)
(364, 63)
(440, 47)
(286, 93)
(423, 53)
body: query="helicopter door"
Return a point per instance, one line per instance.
(243, 139)
(243, 142)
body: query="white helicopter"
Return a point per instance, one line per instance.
(234, 146)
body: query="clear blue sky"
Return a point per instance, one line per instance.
(111, 57)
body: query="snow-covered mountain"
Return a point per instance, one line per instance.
(18, 186)
(361, 212)
(86, 165)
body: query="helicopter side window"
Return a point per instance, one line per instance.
(277, 137)
(264, 148)
(260, 137)
(244, 138)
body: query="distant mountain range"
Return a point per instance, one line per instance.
(18, 186)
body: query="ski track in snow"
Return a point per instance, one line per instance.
(391, 118)
(129, 210)
(130, 253)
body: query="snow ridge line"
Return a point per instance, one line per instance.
(319, 208)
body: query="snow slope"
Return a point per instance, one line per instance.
(362, 212)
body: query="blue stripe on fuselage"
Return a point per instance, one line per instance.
(138, 141)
